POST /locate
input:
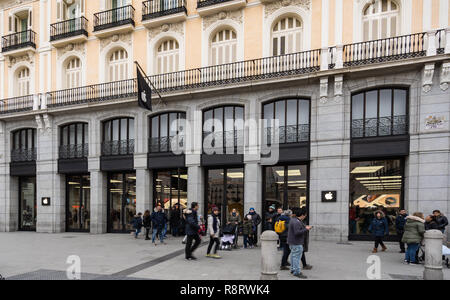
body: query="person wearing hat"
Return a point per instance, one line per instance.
(214, 232)
(256, 220)
(270, 218)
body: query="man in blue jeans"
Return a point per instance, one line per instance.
(296, 239)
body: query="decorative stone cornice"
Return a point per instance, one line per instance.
(79, 47)
(338, 84)
(275, 5)
(29, 57)
(125, 38)
(230, 15)
(175, 27)
(445, 76)
(324, 90)
(427, 78)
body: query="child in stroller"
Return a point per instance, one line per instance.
(228, 237)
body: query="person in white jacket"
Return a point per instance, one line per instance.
(214, 232)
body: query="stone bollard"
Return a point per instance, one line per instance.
(269, 255)
(433, 255)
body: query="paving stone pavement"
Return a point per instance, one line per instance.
(27, 255)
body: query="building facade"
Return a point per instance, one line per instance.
(351, 98)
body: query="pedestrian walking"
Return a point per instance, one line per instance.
(282, 229)
(413, 236)
(137, 224)
(175, 218)
(247, 231)
(400, 228)
(147, 222)
(159, 221)
(256, 220)
(441, 220)
(192, 229)
(235, 219)
(214, 233)
(296, 239)
(379, 228)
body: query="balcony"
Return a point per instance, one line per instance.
(209, 7)
(19, 43)
(378, 127)
(23, 155)
(287, 134)
(157, 12)
(69, 31)
(164, 144)
(118, 148)
(73, 151)
(16, 104)
(114, 21)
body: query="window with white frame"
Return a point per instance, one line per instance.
(167, 57)
(223, 47)
(118, 65)
(381, 20)
(23, 82)
(73, 73)
(286, 36)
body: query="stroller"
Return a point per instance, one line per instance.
(227, 240)
(445, 255)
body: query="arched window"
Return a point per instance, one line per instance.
(118, 65)
(223, 47)
(73, 73)
(286, 36)
(163, 129)
(73, 141)
(23, 145)
(167, 57)
(118, 137)
(23, 82)
(381, 20)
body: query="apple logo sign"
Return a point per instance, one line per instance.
(329, 196)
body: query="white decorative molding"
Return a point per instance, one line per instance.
(271, 7)
(338, 84)
(79, 48)
(40, 123)
(323, 90)
(445, 76)
(125, 38)
(47, 122)
(236, 16)
(427, 79)
(28, 57)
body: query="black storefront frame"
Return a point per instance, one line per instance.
(20, 228)
(108, 199)
(285, 194)
(369, 237)
(223, 212)
(81, 202)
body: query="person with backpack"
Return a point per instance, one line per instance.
(282, 228)
(147, 222)
(247, 232)
(137, 224)
(214, 233)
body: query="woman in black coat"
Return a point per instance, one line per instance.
(147, 222)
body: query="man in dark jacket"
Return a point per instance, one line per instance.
(192, 229)
(270, 218)
(256, 218)
(296, 239)
(441, 220)
(159, 220)
(175, 215)
(400, 222)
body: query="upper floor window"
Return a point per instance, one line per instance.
(73, 141)
(223, 47)
(223, 130)
(381, 20)
(20, 21)
(293, 120)
(112, 4)
(73, 73)
(164, 128)
(23, 145)
(286, 36)
(69, 9)
(380, 112)
(118, 136)
(23, 82)
(118, 65)
(167, 57)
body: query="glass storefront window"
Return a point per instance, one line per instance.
(170, 188)
(163, 129)
(78, 203)
(27, 203)
(121, 201)
(374, 185)
(225, 190)
(285, 186)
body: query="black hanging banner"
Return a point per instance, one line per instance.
(144, 91)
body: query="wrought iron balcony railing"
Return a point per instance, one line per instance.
(224, 141)
(390, 49)
(158, 8)
(287, 134)
(23, 155)
(383, 126)
(68, 28)
(16, 104)
(19, 40)
(115, 148)
(203, 3)
(73, 151)
(164, 144)
(255, 69)
(114, 17)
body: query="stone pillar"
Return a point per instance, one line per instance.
(339, 56)
(447, 40)
(433, 255)
(269, 256)
(196, 187)
(431, 50)
(144, 188)
(99, 216)
(324, 53)
(253, 188)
